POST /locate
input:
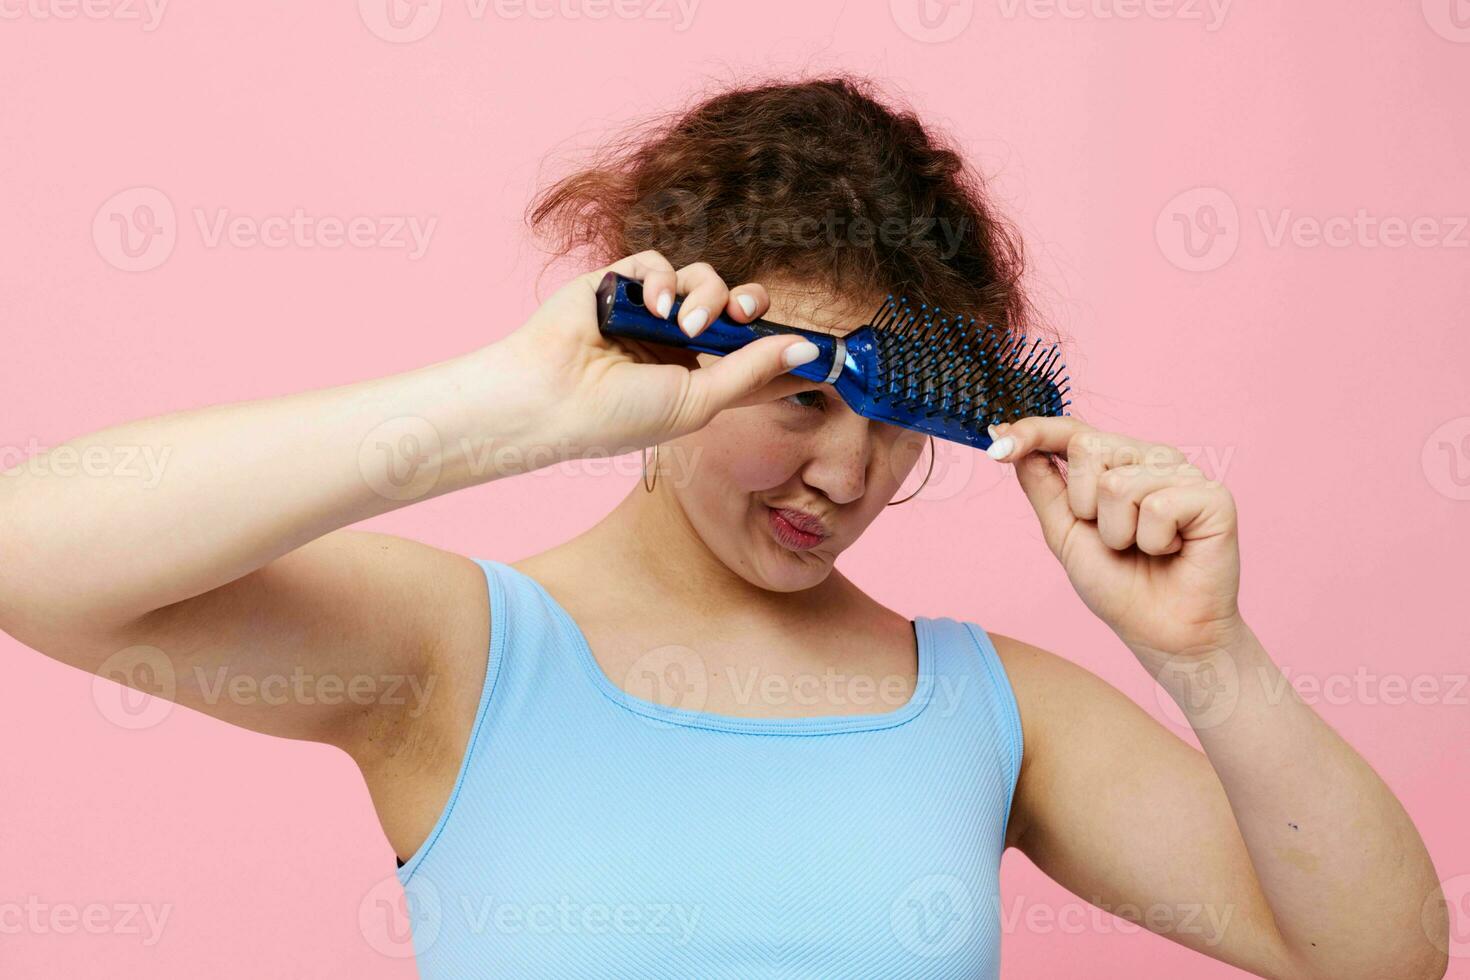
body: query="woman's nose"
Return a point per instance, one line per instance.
(841, 453)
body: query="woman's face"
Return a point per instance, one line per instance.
(779, 489)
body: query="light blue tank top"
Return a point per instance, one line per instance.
(593, 833)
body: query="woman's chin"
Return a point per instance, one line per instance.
(782, 569)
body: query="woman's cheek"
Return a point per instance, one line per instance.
(750, 449)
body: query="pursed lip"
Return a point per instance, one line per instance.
(803, 521)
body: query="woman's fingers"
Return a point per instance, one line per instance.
(705, 296)
(747, 302)
(1031, 444)
(1190, 511)
(782, 386)
(1121, 493)
(753, 374)
(650, 268)
(1039, 433)
(660, 286)
(731, 380)
(1092, 455)
(1130, 488)
(655, 272)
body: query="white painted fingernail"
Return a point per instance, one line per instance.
(1001, 448)
(747, 303)
(800, 353)
(694, 322)
(665, 303)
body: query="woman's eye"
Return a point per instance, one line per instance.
(806, 399)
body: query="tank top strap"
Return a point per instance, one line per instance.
(535, 648)
(970, 687)
(528, 659)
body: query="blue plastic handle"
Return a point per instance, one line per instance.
(621, 313)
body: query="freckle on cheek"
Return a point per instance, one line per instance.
(753, 458)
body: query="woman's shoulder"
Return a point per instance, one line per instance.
(1047, 682)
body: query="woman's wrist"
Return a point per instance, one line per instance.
(503, 422)
(1220, 639)
(1210, 682)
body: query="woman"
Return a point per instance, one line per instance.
(682, 743)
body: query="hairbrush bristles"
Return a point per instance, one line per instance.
(915, 367)
(938, 373)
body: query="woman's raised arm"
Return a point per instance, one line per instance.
(227, 562)
(222, 558)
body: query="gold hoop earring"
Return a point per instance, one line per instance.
(930, 473)
(647, 485)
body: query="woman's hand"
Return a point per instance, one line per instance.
(1147, 540)
(612, 395)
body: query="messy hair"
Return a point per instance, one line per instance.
(816, 179)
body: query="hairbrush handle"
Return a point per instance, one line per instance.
(621, 313)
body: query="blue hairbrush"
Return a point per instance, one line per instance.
(947, 376)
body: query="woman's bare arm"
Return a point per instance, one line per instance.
(224, 580)
(1280, 825)
(1280, 851)
(227, 562)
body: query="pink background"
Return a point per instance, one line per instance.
(1324, 382)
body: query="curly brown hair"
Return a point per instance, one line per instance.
(814, 179)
